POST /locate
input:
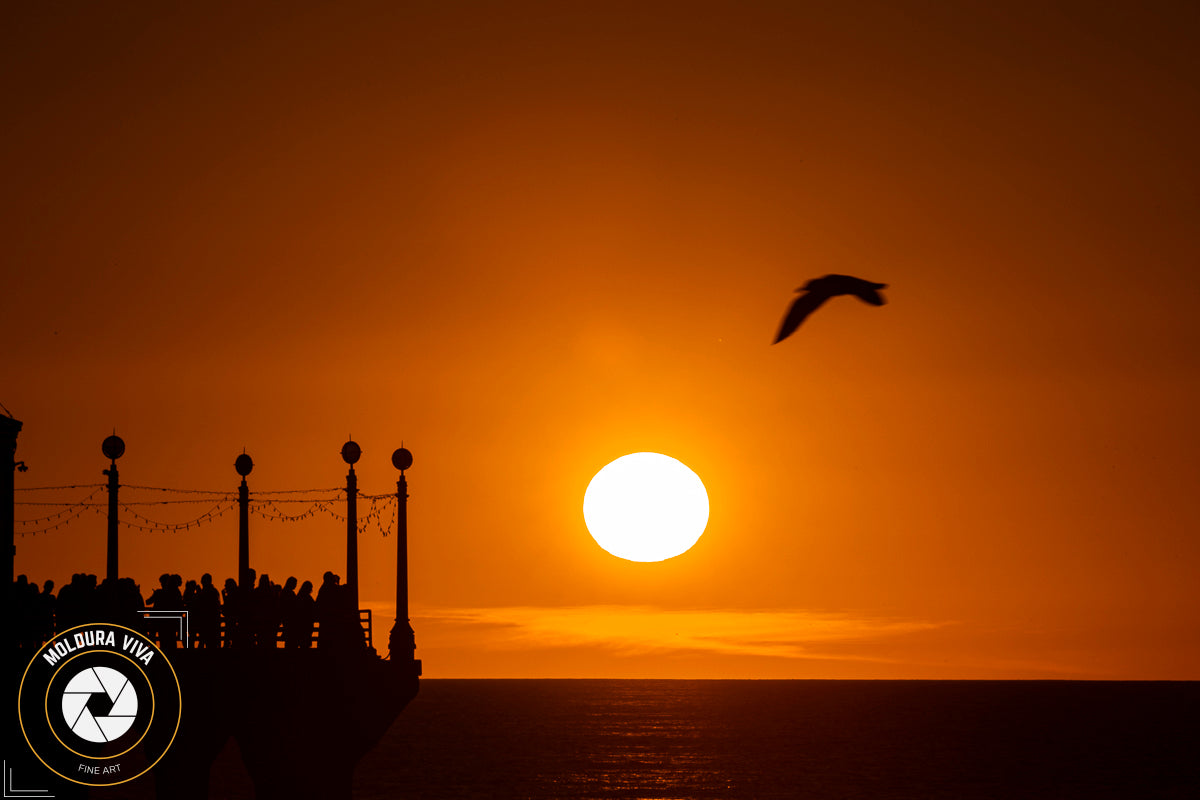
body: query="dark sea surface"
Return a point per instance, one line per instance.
(787, 739)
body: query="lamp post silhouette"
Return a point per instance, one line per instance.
(243, 464)
(113, 448)
(351, 453)
(402, 642)
(9, 428)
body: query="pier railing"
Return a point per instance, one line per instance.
(169, 632)
(365, 622)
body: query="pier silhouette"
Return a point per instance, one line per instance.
(290, 673)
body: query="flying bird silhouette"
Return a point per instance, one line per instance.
(818, 290)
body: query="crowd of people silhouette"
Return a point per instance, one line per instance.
(239, 615)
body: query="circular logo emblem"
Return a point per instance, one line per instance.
(85, 710)
(99, 704)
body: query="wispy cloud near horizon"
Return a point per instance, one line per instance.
(646, 629)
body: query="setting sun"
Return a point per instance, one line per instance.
(646, 507)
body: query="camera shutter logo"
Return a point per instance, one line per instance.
(100, 704)
(79, 704)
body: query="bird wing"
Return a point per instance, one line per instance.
(803, 305)
(868, 293)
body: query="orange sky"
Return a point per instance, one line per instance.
(527, 239)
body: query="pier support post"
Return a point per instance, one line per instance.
(113, 447)
(351, 452)
(9, 428)
(402, 642)
(243, 464)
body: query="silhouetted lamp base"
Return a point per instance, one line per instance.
(402, 646)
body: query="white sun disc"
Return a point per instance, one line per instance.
(646, 507)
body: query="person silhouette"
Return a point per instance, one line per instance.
(340, 627)
(167, 597)
(69, 608)
(207, 613)
(266, 619)
(231, 611)
(44, 613)
(304, 614)
(246, 610)
(326, 608)
(285, 607)
(128, 604)
(191, 592)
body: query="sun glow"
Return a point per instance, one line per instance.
(646, 507)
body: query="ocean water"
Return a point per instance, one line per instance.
(788, 739)
(761, 740)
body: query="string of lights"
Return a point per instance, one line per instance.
(57, 488)
(334, 499)
(224, 492)
(130, 502)
(214, 512)
(214, 498)
(67, 510)
(267, 509)
(138, 488)
(374, 513)
(60, 524)
(389, 508)
(318, 501)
